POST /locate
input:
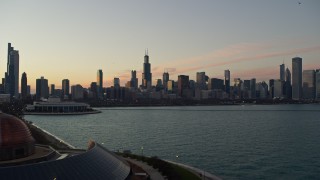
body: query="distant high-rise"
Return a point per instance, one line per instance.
(271, 89)
(282, 72)
(146, 75)
(288, 88)
(246, 85)
(308, 84)
(183, 84)
(100, 83)
(170, 85)
(65, 87)
(116, 82)
(134, 79)
(227, 81)
(28, 90)
(24, 86)
(52, 89)
(165, 79)
(12, 75)
(288, 76)
(201, 80)
(42, 88)
(318, 84)
(296, 78)
(278, 90)
(253, 88)
(76, 92)
(159, 85)
(215, 84)
(94, 89)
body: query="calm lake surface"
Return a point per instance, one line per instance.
(232, 142)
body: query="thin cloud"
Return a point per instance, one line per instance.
(249, 58)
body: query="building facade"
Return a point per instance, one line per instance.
(77, 92)
(42, 89)
(146, 75)
(24, 86)
(100, 83)
(65, 88)
(282, 72)
(12, 75)
(253, 88)
(308, 87)
(201, 80)
(134, 79)
(227, 81)
(296, 78)
(165, 79)
(183, 84)
(215, 83)
(317, 84)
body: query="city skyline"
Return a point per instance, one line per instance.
(244, 37)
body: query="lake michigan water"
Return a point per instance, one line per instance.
(232, 142)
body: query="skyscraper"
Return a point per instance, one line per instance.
(52, 89)
(227, 81)
(42, 88)
(288, 88)
(146, 75)
(201, 80)
(24, 86)
(253, 88)
(296, 78)
(94, 89)
(99, 83)
(308, 89)
(165, 79)
(288, 76)
(134, 79)
(318, 84)
(116, 82)
(278, 90)
(12, 74)
(183, 83)
(65, 88)
(76, 92)
(215, 83)
(282, 72)
(271, 89)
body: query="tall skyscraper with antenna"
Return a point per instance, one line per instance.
(146, 75)
(12, 74)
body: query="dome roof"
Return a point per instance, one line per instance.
(13, 132)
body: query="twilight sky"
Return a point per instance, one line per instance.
(73, 39)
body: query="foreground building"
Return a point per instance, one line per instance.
(22, 158)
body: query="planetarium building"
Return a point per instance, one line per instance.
(22, 158)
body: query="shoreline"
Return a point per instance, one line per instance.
(63, 113)
(199, 104)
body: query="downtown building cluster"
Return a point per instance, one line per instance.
(297, 84)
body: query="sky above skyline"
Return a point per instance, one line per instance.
(73, 39)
